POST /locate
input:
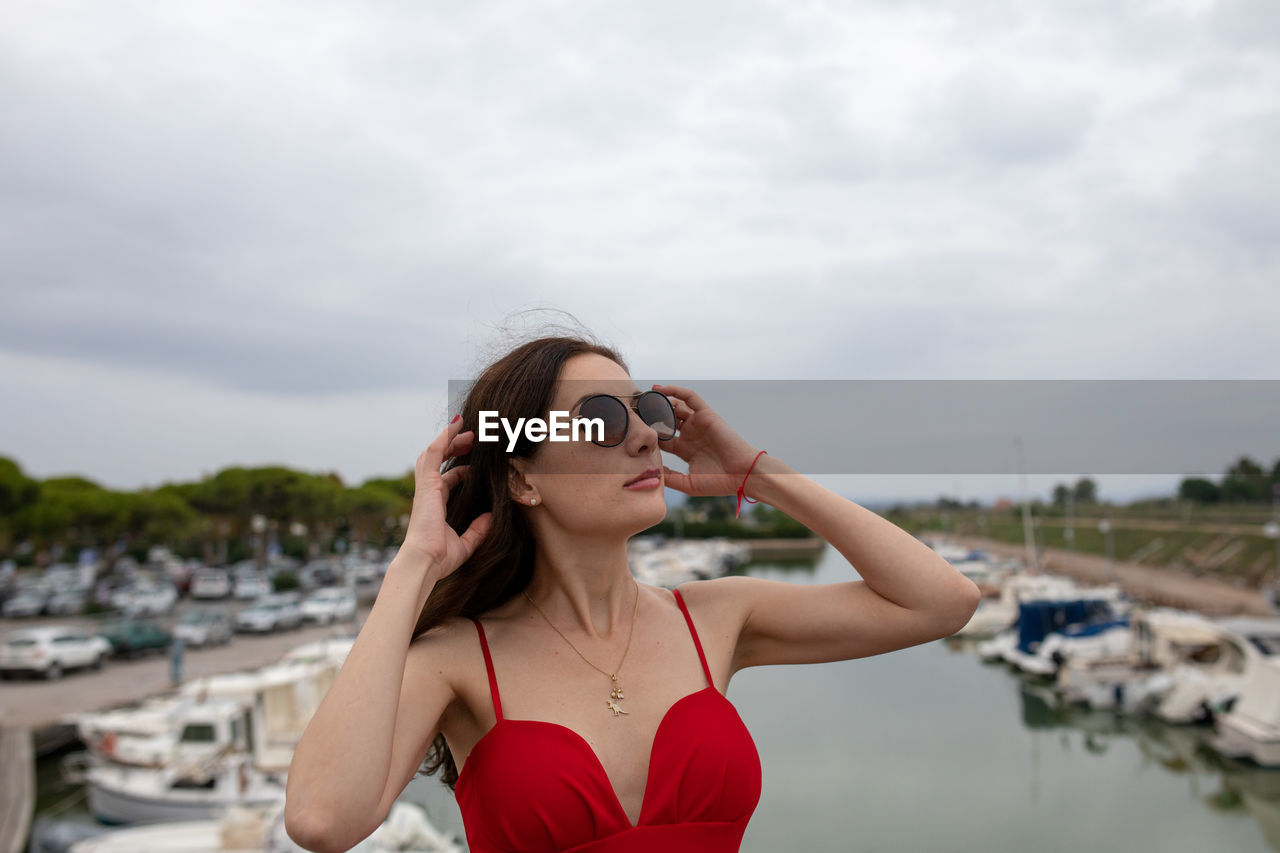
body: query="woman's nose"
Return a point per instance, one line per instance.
(645, 436)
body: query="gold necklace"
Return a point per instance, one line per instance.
(612, 702)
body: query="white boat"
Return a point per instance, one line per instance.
(260, 830)
(995, 616)
(288, 693)
(1018, 646)
(1251, 729)
(1214, 680)
(211, 767)
(1138, 678)
(222, 740)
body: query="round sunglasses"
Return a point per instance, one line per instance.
(654, 409)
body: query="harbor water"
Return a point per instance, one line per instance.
(929, 749)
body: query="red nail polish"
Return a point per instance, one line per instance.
(455, 419)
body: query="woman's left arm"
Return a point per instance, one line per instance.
(908, 594)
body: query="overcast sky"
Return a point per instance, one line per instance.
(250, 233)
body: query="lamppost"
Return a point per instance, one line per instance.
(1104, 527)
(1070, 533)
(258, 524)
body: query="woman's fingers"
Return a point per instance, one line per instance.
(677, 480)
(453, 477)
(687, 395)
(461, 444)
(438, 450)
(476, 532)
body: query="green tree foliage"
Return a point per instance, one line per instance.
(1245, 482)
(16, 489)
(1085, 491)
(1199, 490)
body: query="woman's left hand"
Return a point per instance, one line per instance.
(718, 457)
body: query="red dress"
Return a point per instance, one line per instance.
(530, 786)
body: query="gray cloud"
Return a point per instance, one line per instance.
(296, 202)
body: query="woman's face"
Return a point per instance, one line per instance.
(582, 487)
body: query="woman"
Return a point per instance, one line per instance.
(586, 711)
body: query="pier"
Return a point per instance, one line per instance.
(1155, 584)
(18, 784)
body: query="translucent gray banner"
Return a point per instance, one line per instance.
(1061, 427)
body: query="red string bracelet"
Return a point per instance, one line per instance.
(742, 489)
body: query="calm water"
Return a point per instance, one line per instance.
(928, 749)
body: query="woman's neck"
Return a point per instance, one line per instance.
(588, 592)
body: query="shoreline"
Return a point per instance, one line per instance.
(1159, 585)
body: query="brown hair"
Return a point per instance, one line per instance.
(520, 384)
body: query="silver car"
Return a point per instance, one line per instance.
(50, 651)
(270, 613)
(203, 628)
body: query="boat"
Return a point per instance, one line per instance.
(260, 830)
(1136, 680)
(288, 692)
(210, 768)
(1214, 680)
(221, 741)
(1251, 728)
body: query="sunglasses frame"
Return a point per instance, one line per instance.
(634, 406)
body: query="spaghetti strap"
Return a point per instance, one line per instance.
(698, 643)
(488, 664)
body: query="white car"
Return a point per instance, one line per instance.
(203, 628)
(270, 613)
(146, 599)
(51, 651)
(331, 604)
(251, 585)
(27, 602)
(211, 583)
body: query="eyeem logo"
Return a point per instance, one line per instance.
(559, 428)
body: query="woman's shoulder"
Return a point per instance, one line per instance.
(723, 601)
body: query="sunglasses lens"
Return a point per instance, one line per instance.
(655, 410)
(611, 412)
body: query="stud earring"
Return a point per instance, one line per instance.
(533, 502)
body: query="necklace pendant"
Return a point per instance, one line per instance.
(615, 708)
(617, 688)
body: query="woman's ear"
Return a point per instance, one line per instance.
(520, 489)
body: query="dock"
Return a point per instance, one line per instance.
(785, 549)
(1160, 585)
(18, 782)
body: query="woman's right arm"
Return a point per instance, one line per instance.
(374, 725)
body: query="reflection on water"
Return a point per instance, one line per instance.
(929, 749)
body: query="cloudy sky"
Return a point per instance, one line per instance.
(249, 233)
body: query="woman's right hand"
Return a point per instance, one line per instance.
(429, 541)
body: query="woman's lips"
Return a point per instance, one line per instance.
(648, 480)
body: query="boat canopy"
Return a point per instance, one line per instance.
(1039, 619)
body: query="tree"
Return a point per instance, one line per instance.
(1245, 482)
(1199, 490)
(1086, 491)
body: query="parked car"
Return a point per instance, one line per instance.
(145, 599)
(330, 604)
(252, 585)
(25, 602)
(270, 613)
(211, 583)
(49, 651)
(203, 628)
(133, 637)
(68, 601)
(319, 573)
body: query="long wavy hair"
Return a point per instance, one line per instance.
(521, 384)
